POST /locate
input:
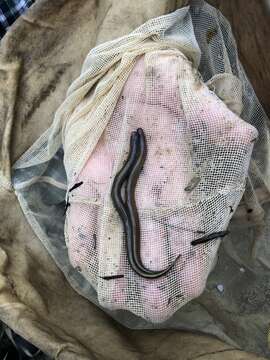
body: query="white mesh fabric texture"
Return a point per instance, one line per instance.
(96, 91)
(148, 79)
(219, 57)
(192, 138)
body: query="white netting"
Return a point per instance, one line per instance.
(190, 135)
(197, 161)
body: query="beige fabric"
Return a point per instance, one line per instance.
(39, 58)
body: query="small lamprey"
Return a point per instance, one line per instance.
(127, 209)
(210, 237)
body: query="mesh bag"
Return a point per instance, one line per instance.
(152, 158)
(193, 178)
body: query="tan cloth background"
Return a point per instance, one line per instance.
(39, 57)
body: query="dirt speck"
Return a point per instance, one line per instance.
(211, 33)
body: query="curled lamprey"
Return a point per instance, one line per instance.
(127, 209)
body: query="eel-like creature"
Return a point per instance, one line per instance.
(127, 210)
(133, 239)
